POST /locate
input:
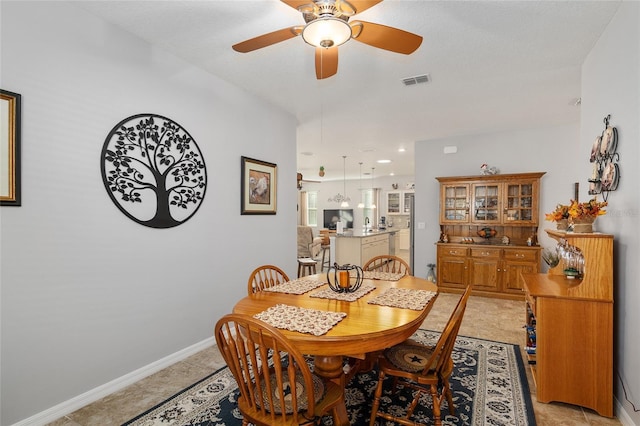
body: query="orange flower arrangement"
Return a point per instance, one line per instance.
(591, 209)
(561, 212)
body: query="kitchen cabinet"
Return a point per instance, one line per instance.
(571, 321)
(404, 241)
(505, 200)
(407, 197)
(357, 250)
(493, 270)
(393, 202)
(398, 202)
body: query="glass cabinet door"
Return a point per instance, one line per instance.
(393, 202)
(406, 202)
(454, 203)
(485, 203)
(519, 202)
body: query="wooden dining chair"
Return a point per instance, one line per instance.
(424, 369)
(274, 380)
(265, 276)
(388, 263)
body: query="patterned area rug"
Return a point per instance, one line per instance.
(488, 383)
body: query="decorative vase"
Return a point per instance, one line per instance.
(583, 225)
(562, 224)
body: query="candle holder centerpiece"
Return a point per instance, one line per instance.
(341, 280)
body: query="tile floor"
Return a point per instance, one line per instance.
(486, 318)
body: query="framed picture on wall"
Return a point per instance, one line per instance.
(10, 148)
(258, 187)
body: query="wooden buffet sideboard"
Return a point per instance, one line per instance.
(573, 320)
(507, 204)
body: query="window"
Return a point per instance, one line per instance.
(312, 208)
(370, 199)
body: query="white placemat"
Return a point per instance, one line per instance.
(327, 293)
(299, 286)
(404, 298)
(378, 275)
(303, 320)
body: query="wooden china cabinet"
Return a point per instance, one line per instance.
(508, 206)
(571, 321)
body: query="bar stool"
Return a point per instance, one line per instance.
(306, 266)
(326, 253)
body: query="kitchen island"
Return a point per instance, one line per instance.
(357, 246)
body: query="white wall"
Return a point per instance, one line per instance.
(87, 295)
(548, 149)
(611, 85)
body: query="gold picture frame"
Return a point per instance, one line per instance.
(258, 186)
(10, 190)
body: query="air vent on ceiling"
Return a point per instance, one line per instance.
(418, 79)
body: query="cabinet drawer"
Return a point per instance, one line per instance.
(521, 254)
(485, 253)
(452, 251)
(375, 239)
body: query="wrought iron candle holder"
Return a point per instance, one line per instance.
(340, 279)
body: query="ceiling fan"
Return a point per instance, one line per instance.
(300, 180)
(327, 27)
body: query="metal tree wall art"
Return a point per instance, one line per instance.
(153, 171)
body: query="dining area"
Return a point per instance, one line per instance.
(293, 345)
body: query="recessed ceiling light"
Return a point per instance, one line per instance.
(392, 174)
(383, 161)
(401, 150)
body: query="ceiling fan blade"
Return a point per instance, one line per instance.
(358, 5)
(266, 40)
(383, 37)
(361, 6)
(296, 3)
(326, 62)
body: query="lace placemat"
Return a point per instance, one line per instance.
(299, 286)
(303, 320)
(404, 298)
(378, 275)
(327, 293)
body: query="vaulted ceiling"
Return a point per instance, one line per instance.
(492, 65)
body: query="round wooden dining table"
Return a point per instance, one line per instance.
(366, 328)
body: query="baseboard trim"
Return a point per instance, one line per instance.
(58, 411)
(622, 414)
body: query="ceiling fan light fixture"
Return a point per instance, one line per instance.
(326, 32)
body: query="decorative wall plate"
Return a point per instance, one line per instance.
(610, 176)
(609, 141)
(595, 149)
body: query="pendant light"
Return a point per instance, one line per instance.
(339, 198)
(361, 204)
(373, 205)
(345, 202)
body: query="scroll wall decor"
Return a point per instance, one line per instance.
(10, 189)
(153, 171)
(605, 174)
